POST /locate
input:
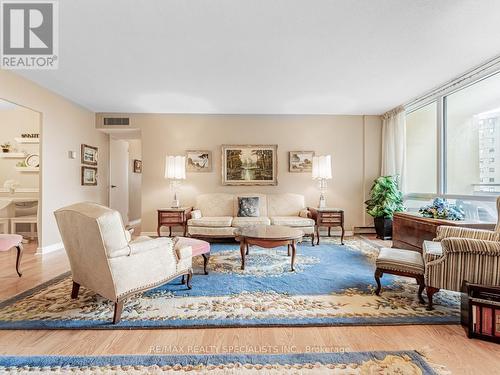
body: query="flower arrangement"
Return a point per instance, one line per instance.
(441, 209)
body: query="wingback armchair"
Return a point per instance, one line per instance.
(104, 259)
(461, 254)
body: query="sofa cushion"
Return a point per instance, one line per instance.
(211, 231)
(245, 221)
(292, 221)
(400, 260)
(211, 221)
(285, 204)
(216, 204)
(248, 207)
(262, 203)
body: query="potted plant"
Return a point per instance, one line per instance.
(5, 147)
(385, 199)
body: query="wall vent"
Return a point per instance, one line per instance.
(116, 121)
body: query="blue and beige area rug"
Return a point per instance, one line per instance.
(397, 363)
(331, 285)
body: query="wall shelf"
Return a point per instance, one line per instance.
(28, 169)
(12, 155)
(27, 140)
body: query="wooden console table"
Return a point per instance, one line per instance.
(409, 231)
(328, 217)
(170, 217)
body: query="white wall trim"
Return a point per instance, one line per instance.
(49, 248)
(21, 190)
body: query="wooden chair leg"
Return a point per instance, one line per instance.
(312, 238)
(117, 316)
(421, 287)
(206, 258)
(75, 290)
(378, 274)
(289, 249)
(183, 280)
(18, 260)
(189, 278)
(248, 249)
(430, 292)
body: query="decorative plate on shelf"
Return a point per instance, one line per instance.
(32, 160)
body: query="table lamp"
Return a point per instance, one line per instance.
(175, 171)
(322, 171)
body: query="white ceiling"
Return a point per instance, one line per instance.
(265, 56)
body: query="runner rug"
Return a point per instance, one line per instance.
(332, 285)
(352, 363)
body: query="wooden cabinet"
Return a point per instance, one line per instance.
(328, 217)
(171, 217)
(409, 231)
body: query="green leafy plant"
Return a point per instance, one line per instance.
(385, 198)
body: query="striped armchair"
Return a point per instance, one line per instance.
(459, 254)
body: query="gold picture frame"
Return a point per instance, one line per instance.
(198, 161)
(300, 161)
(249, 165)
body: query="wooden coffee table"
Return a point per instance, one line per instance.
(268, 236)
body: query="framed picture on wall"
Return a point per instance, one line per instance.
(89, 176)
(198, 161)
(300, 161)
(137, 166)
(249, 165)
(89, 155)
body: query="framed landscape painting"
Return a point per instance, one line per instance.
(199, 161)
(300, 161)
(249, 165)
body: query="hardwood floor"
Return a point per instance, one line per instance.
(442, 344)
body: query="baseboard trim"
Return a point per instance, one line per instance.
(42, 250)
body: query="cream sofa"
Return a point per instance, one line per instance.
(216, 215)
(104, 259)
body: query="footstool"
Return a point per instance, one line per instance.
(400, 262)
(199, 247)
(7, 242)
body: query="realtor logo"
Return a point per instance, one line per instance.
(29, 37)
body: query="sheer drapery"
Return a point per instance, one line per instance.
(393, 144)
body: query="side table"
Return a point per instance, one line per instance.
(328, 217)
(171, 217)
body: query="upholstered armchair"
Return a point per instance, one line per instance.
(461, 254)
(104, 259)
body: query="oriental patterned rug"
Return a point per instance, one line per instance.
(332, 285)
(352, 363)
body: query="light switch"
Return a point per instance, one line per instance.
(72, 154)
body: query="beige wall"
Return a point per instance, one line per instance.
(353, 142)
(134, 180)
(14, 122)
(65, 126)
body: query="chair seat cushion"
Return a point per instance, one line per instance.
(400, 260)
(245, 221)
(292, 221)
(8, 241)
(198, 246)
(211, 221)
(431, 250)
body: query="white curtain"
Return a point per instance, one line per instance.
(393, 144)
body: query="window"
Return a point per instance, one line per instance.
(472, 125)
(421, 150)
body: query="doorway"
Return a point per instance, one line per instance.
(125, 177)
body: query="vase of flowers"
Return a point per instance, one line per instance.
(441, 209)
(385, 200)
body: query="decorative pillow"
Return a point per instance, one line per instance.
(196, 214)
(248, 207)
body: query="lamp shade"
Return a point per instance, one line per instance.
(175, 167)
(322, 167)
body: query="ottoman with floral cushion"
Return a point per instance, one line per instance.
(400, 262)
(199, 247)
(7, 242)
